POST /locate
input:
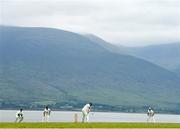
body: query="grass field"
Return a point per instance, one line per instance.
(91, 125)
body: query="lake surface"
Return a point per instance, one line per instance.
(68, 116)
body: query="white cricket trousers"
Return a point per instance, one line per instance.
(46, 119)
(151, 119)
(19, 119)
(85, 116)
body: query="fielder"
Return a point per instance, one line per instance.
(150, 114)
(46, 114)
(19, 116)
(85, 112)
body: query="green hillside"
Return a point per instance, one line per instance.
(49, 66)
(177, 71)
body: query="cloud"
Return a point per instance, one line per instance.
(126, 22)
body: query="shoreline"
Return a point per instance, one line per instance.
(112, 112)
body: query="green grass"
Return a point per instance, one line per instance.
(89, 125)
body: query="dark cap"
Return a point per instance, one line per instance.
(90, 104)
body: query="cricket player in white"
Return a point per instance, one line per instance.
(150, 115)
(46, 114)
(85, 112)
(19, 116)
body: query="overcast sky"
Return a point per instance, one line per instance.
(124, 22)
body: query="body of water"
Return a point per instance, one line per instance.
(68, 116)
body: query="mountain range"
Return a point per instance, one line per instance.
(42, 66)
(164, 55)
